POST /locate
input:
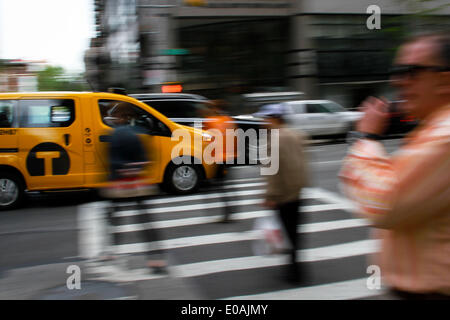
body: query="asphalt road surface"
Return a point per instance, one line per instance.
(217, 260)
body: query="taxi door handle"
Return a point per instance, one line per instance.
(67, 139)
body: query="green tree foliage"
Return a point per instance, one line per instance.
(54, 78)
(423, 17)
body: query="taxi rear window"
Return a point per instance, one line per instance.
(46, 113)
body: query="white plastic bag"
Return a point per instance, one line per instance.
(270, 236)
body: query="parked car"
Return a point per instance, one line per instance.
(251, 102)
(182, 108)
(320, 118)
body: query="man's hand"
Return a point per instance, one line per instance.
(375, 117)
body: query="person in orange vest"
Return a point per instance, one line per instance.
(224, 125)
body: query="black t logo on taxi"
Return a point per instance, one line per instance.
(48, 159)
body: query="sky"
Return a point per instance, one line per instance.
(57, 31)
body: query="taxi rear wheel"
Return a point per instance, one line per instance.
(11, 191)
(183, 178)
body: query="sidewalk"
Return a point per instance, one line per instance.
(48, 282)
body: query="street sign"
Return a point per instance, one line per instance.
(175, 52)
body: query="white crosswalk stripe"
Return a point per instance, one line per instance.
(307, 194)
(345, 290)
(254, 262)
(306, 228)
(193, 241)
(242, 195)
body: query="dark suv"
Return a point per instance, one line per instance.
(182, 108)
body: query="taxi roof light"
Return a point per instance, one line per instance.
(171, 88)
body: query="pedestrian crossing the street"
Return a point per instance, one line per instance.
(219, 257)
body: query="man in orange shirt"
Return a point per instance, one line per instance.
(407, 195)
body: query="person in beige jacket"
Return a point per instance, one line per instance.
(285, 185)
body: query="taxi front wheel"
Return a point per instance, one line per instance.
(183, 178)
(11, 191)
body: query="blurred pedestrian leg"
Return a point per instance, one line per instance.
(223, 172)
(222, 127)
(149, 235)
(155, 254)
(291, 218)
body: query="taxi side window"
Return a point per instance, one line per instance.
(116, 113)
(6, 113)
(47, 113)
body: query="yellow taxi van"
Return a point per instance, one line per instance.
(59, 140)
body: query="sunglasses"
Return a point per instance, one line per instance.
(412, 70)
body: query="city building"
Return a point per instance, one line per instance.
(339, 50)
(19, 75)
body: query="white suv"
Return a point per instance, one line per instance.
(320, 117)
